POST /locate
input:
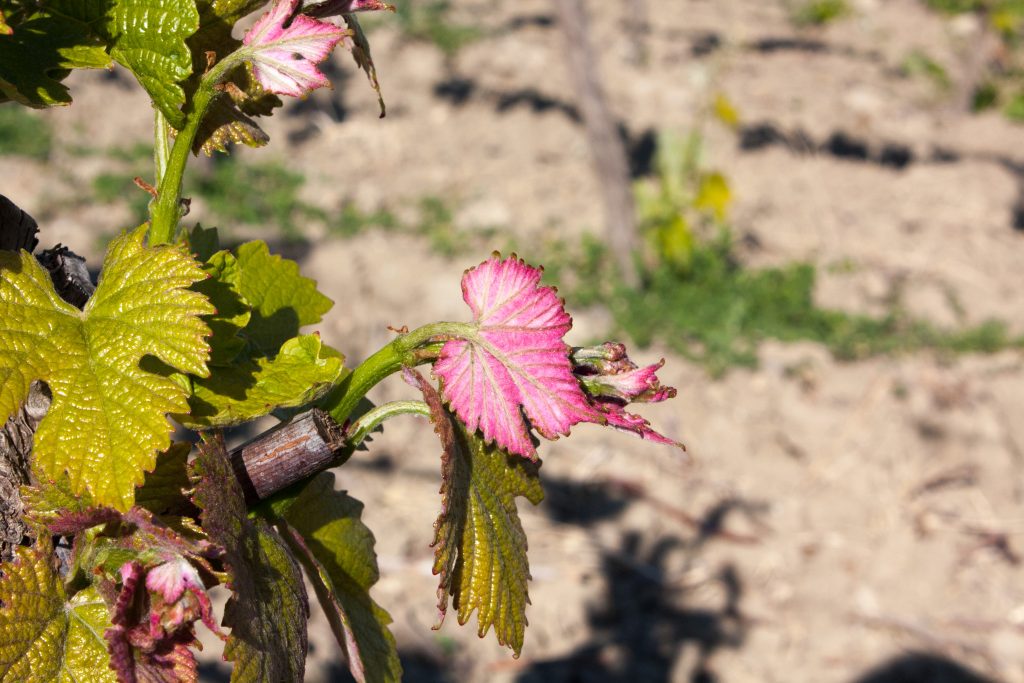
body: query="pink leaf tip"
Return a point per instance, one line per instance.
(611, 381)
(285, 57)
(514, 372)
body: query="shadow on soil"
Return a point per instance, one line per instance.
(921, 667)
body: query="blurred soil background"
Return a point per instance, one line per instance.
(832, 208)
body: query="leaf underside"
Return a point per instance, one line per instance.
(267, 611)
(107, 420)
(337, 550)
(479, 542)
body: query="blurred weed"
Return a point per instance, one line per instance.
(23, 133)
(256, 194)
(718, 312)
(681, 201)
(985, 96)
(697, 297)
(819, 12)
(1014, 109)
(109, 187)
(429, 21)
(435, 220)
(918, 64)
(351, 220)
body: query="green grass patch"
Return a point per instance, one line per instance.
(255, 194)
(23, 133)
(718, 311)
(429, 21)
(918, 64)
(434, 220)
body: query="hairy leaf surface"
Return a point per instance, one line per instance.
(267, 611)
(479, 542)
(43, 637)
(516, 362)
(107, 420)
(337, 549)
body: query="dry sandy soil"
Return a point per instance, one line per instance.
(832, 522)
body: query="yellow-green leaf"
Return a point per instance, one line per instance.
(713, 195)
(479, 542)
(44, 638)
(148, 38)
(301, 372)
(107, 420)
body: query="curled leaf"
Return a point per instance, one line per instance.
(611, 381)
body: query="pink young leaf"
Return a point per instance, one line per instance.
(285, 58)
(515, 362)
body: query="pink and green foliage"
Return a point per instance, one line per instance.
(514, 361)
(285, 48)
(180, 329)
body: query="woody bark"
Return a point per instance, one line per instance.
(611, 164)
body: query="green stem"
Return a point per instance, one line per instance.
(400, 352)
(161, 145)
(166, 208)
(372, 419)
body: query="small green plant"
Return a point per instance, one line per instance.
(698, 299)
(918, 64)
(24, 134)
(351, 220)
(820, 12)
(681, 202)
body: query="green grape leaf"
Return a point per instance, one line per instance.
(5, 30)
(107, 420)
(38, 53)
(148, 38)
(282, 300)
(479, 542)
(267, 611)
(202, 242)
(44, 638)
(337, 550)
(44, 502)
(232, 315)
(163, 488)
(301, 372)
